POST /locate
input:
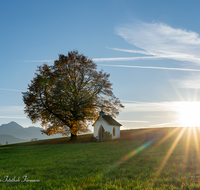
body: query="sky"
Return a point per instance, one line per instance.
(151, 49)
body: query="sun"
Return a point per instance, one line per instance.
(189, 114)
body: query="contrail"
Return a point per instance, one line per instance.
(147, 67)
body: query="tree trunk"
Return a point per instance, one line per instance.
(73, 137)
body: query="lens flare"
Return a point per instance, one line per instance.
(130, 155)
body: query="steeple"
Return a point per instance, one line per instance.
(101, 113)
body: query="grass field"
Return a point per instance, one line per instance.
(167, 158)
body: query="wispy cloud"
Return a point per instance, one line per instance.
(149, 106)
(156, 41)
(13, 117)
(149, 67)
(11, 110)
(172, 124)
(133, 51)
(161, 41)
(175, 106)
(131, 101)
(133, 121)
(12, 90)
(121, 59)
(157, 55)
(192, 81)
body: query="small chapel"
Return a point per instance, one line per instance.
(106, 123)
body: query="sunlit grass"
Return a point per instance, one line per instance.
(137, 161)
(187, 149)
(168, 154)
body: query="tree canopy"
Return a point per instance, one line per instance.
(68, 95)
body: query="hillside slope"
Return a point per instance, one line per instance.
(10, 139)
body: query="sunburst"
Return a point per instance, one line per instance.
(188, 114)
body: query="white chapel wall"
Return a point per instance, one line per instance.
(106, 128)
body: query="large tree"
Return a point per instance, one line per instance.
(67, 96)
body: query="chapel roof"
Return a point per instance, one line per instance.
(109, 120)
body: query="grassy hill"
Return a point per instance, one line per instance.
(10, 139)
(167, 158)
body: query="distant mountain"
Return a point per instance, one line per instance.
(10, 139)
(16, 133)
(25, 134)
(11, 125)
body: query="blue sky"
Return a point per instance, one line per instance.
(150, 48)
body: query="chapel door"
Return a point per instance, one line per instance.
(100, 134)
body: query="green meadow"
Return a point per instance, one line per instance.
(165, 158)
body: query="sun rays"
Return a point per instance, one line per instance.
(147, 144)
(187, 147)
(185, 135)
(190, 141)
(170, 151)
(186, 161)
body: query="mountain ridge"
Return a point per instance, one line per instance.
(17, 131)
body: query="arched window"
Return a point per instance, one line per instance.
(114, 132)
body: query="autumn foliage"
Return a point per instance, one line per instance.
(68, 95)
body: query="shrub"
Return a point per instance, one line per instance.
(92, 139)
(34, 139)
(107, 136)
